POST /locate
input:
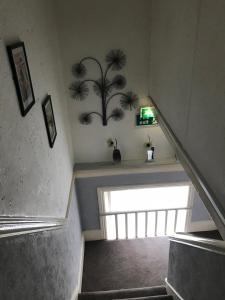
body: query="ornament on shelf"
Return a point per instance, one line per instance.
(116, 151)
(150, 149)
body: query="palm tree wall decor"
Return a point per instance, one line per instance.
(103, 87)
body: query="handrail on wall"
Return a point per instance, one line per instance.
(212, 245)
(10, 225)
(207, 195)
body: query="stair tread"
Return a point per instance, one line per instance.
(158, 297)
(124, 293)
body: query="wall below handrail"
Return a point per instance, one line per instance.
(43, 263)
(196, 267)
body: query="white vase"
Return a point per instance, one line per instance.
(149, 155)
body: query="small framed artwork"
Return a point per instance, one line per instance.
(49, 120)
(21, 76)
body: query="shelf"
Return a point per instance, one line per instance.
(83, 170)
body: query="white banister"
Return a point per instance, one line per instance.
(116, 225)
(136, 224)
(110, 213)
(126, 225)
(156, 222)
(145, 226)
(166, 219)
(175, 221)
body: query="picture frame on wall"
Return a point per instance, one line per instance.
(21, 75)
(49, 120)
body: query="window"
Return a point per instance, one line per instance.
(138, 212)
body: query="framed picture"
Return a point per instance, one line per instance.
(21, 76)
(49, 120)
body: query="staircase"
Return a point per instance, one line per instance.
(157, 293)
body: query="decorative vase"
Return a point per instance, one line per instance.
(116, 156)
(153, 152)
(150, 154)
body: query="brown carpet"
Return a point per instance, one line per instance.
(123, 264)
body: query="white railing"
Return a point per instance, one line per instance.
(154, 221)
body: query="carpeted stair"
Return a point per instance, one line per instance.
(154, 293)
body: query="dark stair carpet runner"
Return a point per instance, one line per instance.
(154, 293)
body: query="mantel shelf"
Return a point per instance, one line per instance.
(83, 170)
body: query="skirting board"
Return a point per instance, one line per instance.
(77, 290)
(202, 226)
(171, 291)
(93, 235)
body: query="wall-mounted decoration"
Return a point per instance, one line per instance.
(116, 151)
(49, 120)
(21, 76)
(146, 116)
(103, 87)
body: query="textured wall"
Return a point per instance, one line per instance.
(44, 265)
(34, 179)
(199, 211)
(196, 273)
(93, 28)
(187, 80)
(88, 198)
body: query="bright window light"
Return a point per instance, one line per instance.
(142, 224)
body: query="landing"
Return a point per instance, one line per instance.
(125, 264)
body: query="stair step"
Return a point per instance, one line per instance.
(161, 297)
(124, 293)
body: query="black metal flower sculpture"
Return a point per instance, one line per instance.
(103, 87)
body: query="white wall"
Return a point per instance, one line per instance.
(187, 80)
(93, 28)
(34, 179)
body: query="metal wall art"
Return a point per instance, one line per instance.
(105, 88)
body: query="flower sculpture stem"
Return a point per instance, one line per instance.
(104, 116)
(103, 87)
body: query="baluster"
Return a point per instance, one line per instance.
(175, 221)
(156, 222)
(116, 223)
(136, 224)
(166, 218)
(126, 225)
(146, 224)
